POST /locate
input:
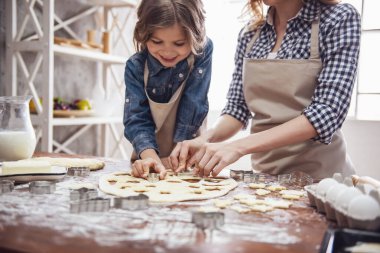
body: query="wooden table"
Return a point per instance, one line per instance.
(43, 223)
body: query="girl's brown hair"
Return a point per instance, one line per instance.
(255, 9)
(155, 14)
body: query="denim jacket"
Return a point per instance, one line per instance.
(139, 127)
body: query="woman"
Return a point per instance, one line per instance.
(294, 73)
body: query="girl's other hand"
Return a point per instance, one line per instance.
(141, 168)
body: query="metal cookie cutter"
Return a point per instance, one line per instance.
(83, 194)
(6, 186)
(238, 175)
(208, 220)
(153, 177)
(248, 176)
(42, 187)
(78, 171)
(97, 204)
(132, 203)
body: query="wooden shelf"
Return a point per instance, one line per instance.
(86, 120)
(88, 54)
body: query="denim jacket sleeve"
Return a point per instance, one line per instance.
(193, 107)
(139, 127)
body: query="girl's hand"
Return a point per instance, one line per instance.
(213, 157)
(183, 152)
(140, 168)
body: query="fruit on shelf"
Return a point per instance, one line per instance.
(82, 104)
(78, 104)
(32, 106)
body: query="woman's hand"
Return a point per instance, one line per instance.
(140, 168)
(213, 157)
(183, 152)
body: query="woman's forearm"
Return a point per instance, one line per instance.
(291, 132)
(225, 127)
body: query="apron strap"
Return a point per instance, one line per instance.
(314, 47)
(314, 39)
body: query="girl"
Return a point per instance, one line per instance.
(166, 81)
(295, 72)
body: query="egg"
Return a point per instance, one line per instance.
(364, 207)
(344, 198)
(334, 191)
(323, 186)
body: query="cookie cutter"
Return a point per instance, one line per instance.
(300, 178)
(6, 186)
(83, 194)
(132, 203)
(153, 177)
(238, 175)
(97, 204)
(42, 187)
(284, 178)
(208, 220)
(78, 171)
(248, 176)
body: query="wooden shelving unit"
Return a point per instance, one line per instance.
(42, 44)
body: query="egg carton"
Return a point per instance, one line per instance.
(350, 203)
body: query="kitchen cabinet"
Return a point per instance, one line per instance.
(41, 15)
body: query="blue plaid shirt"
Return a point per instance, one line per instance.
(339, 38)
(139, 127)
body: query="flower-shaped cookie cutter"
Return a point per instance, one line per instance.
(83, 194)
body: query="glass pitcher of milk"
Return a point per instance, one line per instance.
(17, 136)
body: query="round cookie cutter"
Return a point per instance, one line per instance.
(6, 186)
(42, 187)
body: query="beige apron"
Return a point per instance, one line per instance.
(164, 116)
(277, 91)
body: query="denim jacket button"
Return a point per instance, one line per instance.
(194, 135)
(154, 91)
(200, 71)
(127, 100)
(180, 75)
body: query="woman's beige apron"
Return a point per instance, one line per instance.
(164, 116)
(277, 91)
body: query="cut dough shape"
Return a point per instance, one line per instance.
(293, 192)
(261, 208)
(257, 186)
(222, 203)
(276, 188)
(208, 209)
(262, 192)
(290, 196)
(240, 209)
(242, 196)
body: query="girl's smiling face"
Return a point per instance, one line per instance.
(169, 45)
